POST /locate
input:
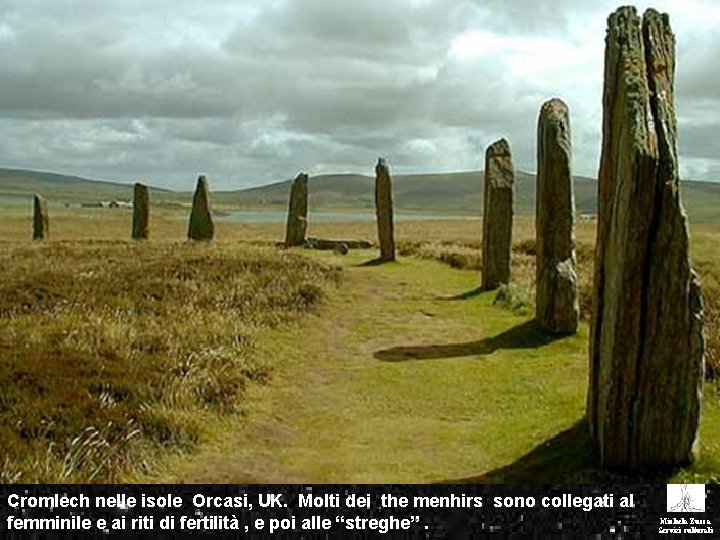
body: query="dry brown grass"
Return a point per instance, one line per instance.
(110, 351)
(706, 261)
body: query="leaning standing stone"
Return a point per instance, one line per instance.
(297, 212)
(556, 306)
(384, 209)
(201, 224)
(41, 223)
(141, 212)
(646, 343)
(497, 215)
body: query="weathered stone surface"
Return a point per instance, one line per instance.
(341, 248)
(646, 344)
(41, 222)
(297, 212)
(321, 243)
(384, 209)
(497, 215)
(201, 224)
(556, 307)
(141, 212)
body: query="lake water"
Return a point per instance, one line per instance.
(246, 216)
(16, 200)
(320, 217)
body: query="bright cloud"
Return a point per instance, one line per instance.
(251, 92)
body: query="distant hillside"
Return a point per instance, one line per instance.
(60, 186)
(443, 193)
(451, 193)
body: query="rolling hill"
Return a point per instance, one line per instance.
(458, 193)
(451, 193)
(20, 182)
(447, 193)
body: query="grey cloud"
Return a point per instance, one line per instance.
(253, 91)
(699, 141)
(698, 76)
(533, 16)
(372, 29)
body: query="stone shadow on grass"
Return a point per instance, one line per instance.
(375, 262)
(528, 335)
(472, 293)
(467, 295)
(568, 457)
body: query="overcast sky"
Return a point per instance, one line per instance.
(250, 92)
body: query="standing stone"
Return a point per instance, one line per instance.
(556, 307)
(41, 223)
(141, 212)
(497, 215)
(384, 209)
(201, 224)
(297, 212)
(646, 343)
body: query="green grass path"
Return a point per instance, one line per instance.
(401, 377)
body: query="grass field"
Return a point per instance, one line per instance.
(422, 380)
(239, 362)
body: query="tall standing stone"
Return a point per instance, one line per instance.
(141, 212)
(556, 306)
(41, 222)
(201, 224)
(297, 212)
(384, 209)
(497, 215)
(646, 343)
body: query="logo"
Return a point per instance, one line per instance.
(686, 497)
